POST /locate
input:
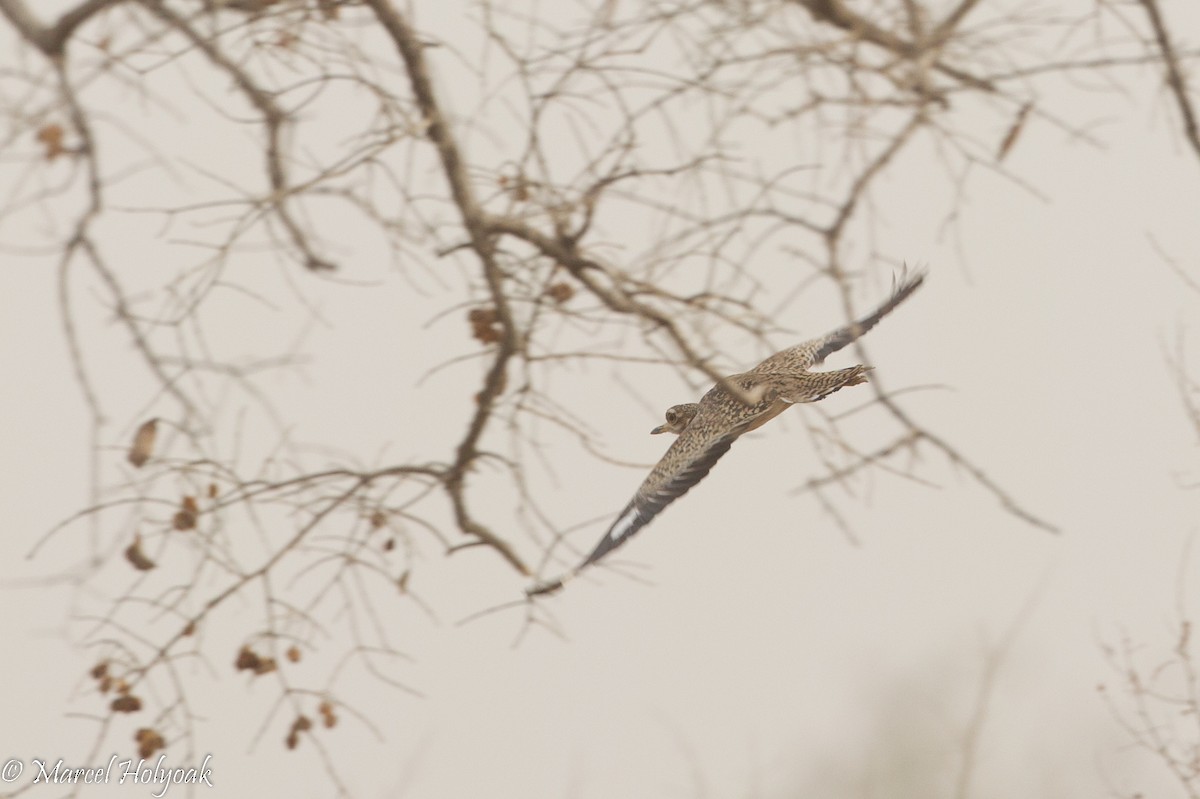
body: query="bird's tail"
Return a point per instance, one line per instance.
(855, 375)
(829, 382)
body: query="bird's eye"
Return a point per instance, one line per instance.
(671, 417)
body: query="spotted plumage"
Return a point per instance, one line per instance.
(707, 429)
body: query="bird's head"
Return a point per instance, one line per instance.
(678, 417)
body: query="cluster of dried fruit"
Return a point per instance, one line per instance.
(328, 717)
(249, 660)
(301, 724)
(149, 741)
(100, 674)
(125, 701)
(485, 325)
(559, 292)
(185, 518)
(51, 138)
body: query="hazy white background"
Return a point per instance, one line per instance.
(767, 656)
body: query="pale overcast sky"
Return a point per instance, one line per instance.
(764, 655)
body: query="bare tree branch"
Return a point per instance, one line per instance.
(636, 195)
(53, 39)
(1175, 76)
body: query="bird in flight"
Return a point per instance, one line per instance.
(707, 429)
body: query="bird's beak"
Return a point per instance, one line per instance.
(662, 428)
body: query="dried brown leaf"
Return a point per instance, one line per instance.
(126, 704)
(135, 555)
(149, 741)
(143, 443)
(184, 520)
(559, 292)
(328, 717)
(51, 138)
(246, 659)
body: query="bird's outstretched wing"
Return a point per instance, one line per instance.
(813, 352)
(720, 419)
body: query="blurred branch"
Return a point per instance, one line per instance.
(483, 244)
(1176, 80)
(52, 40)
(273, 118)
(588, 193)
(838, 14)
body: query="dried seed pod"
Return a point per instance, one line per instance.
(485, 324)
(246, 659)
(149, 741)
(293, 654)
(143, 443)
(300, 724)
(126, 704)
(51, 138)
(265, 666)
(100, 670)
(487, 335)
(328, 717)
(482, 316)
(135, 555)
(559, 292)
(185, 518)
